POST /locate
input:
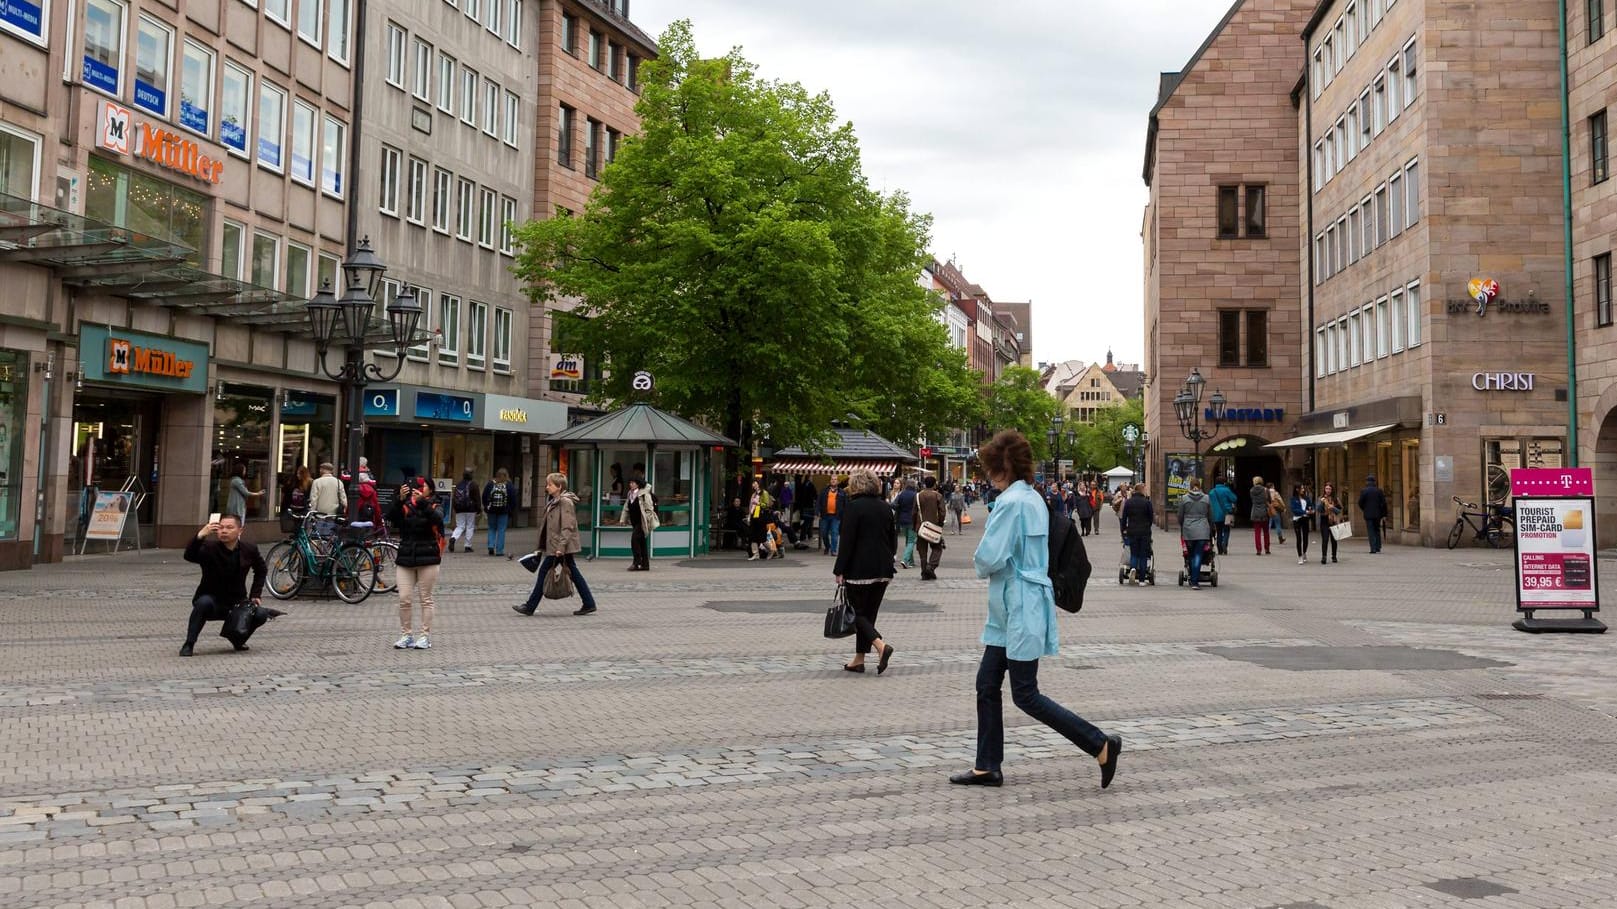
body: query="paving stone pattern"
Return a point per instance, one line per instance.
(1292, 739)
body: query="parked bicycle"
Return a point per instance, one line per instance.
(1486, 525)
(323, 549)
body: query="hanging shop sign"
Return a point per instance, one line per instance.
(382, 402)
(117, 131)
(528, 415)
(567, 368)
(1552, 481)
(432, 405)
(123, 357)
(1502, 381)
(1485, 294)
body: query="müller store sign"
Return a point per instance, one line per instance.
(119, 356)
(117, 131)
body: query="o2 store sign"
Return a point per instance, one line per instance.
(1502, 381)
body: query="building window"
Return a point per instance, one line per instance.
(423, 298)
(266, 260)
(1413, 304)
(449, 346)
(303, 118)
(493, 17)
(235, 98)
(297, 270)
(1366, 125)
(395, 56)
(1382, 340)
(1411, 62)
(1319, 353)
(513, 118)
(1354, 353)
(634, 73)
(1599, 153)
(513, 25)
(442, 190)
(592, 148)
(415, 193)
(508, 217)
(613, 137)
(279, 12)
(390, 181)
(569, 33)
(230, 249)
(468, 96)
(465, 204)
(1257, 337)
(446, 82)
(1330, 251)
(1229, 215)
(333, 156)
(103, 46)
(502, 339)
(423, 70)
(476, 332)
(1319, 259)
(1381, 215)
(1412, 191)
(1353, 235)
(1394, 82)
(196, 88)
(1597, 20)
(325, 271)
(1318, 81)
(564, 139)
(1395, 319)
(485, 217)
(1378, 90)
(1229, 337)
(154, 45)
(595, 50)
(1256, 211)
(473, 9)
(309, 21)
(1341, 244)
(337, 30)
(613, 70)
(491, 108)
(271, 126)
(1603, 315)
(1367, 218)
(1319, 165)
(1395, 204)
(1351, 122)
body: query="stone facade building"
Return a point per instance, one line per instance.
(1221, 235)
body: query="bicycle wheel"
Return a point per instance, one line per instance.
(286, 570)
(1456, 533)
(386, 553)
(353, 573)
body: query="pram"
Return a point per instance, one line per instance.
(1150, 564)
(1209, 572)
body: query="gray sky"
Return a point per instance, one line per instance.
(1019, 126)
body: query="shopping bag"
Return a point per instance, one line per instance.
(243, 620)
(839, 618)
(965, 518)
(559, 582)
(1342, 531)
(531, 561)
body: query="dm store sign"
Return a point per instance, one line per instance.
(1555, 554)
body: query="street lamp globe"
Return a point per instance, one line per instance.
(403, 315)
(323, 315)
(1218, 401)
(1194, 384)
(365, 268)
(356, 305)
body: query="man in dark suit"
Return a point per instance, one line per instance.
(1373, 505)
(226, 561)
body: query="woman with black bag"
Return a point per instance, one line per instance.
(865, 564)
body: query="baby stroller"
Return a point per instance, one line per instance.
(1150, 564)
(1209, 572)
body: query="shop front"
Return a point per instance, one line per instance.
(13, 441)
(514, 429)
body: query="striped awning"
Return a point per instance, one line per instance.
(824, 468)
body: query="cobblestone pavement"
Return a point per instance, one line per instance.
(1370, 733)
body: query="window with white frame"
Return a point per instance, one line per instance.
(337, 23)
(1319, 165)
(1382, 340)
(513, 25)
(1367, 324)
(476, 332)
(389, 292)
(1412, 191)
(19, 163)
(508, 217)
(423, 298)
(303, 120)
(1366, 132)
(264, 269)
(1319, 257)
(1411, 65)
(196, 88)
(1330, 163)
(1382, 235)
(468, 96)
(473, 9)
(1395, 320)
(1342, 244)
(1342, 344)
(154, 57)
(491, 107)
(392, 161)
(502, 339)
(1352, 120)
(235, 108)
(271, 126)
(487, 208)
(309, 21)
(1353, 234)
(1319, 353)
(1330, 56)
(232, 252)
(1350, 22)
(1394, 82)
(333, 156)
(1375, 13)
(279, 11)
(446, 82)
(1338, 47)
(1368, 219)
(513, 118)
(1412, 303)
(422, 87)
(298, 259)
(1330, 251)
(1339, 137)
(1318, 82)
(102, 68)
(494, 16)
(1378, 91)
(442, 203)
(449, 346)
(1395, 204)
(1355, 353)
(395, 55)
(1362, 8)
(415, 193)
(465, 204)
(325, 272)
(27, 20)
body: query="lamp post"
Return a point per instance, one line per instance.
(1055, 435)
(362, 276)
(1134, 439)
(1187, 407)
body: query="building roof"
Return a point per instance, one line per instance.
(640, 423)
(854, 444)
(1169, 82)
(629, 29)
(1128, 382)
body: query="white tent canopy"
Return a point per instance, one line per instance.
(1119, 472)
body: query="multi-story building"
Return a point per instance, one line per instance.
(1221, 233)
(1089, 389)
(1020, 316)
(1435, 254)
(1007, 349)
(446, 140)
(173, 183)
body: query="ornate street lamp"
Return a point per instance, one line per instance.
(1187, 405)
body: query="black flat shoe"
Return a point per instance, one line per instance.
(1109, 767)
(583, 612)
(241, 647)
(886, 654)
(185, 650)
(973, 778)
(849, 667)
(522, 611)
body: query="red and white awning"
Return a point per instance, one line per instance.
(820, 468)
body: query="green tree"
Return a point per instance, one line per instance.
(1018, 401)
(1101, 442)
(735, 249)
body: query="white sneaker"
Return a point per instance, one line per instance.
(1134, 576)
(1302, 561)
(422, 643)
(405, 642)
(753, 557)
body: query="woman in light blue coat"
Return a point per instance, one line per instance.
(1021, 628)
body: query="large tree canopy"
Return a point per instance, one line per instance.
(1018, 401)
(735, 249)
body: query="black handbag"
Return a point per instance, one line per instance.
(244, 619)
(839, 618)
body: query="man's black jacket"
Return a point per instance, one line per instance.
(224, 571)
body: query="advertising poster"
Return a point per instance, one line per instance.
(1555, 554)
(1179, 469)
(107, 518)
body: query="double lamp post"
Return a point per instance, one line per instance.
(362, 277)
(1187, 406)
(1056, 435)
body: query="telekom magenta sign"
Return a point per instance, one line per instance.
(1552, 481)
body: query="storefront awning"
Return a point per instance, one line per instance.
(823, 468)
(1339, 437)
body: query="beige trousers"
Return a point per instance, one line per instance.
(411, 580)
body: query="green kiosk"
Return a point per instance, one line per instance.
(677, 458)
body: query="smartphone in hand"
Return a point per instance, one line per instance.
(213, 518)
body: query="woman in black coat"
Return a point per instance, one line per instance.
(421, 531)
(865, 564)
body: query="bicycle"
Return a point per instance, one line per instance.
(1488, 527)
(320, 549)
(385, 550)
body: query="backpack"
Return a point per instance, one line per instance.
(1069, 563)
(463, 497)
(497, 498)
(831, 500)
(365, 511)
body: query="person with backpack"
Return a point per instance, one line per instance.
(367, 511)
(467, 506)
(499, 497)
(1014, 556)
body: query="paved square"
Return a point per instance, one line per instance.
(1370, 733)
